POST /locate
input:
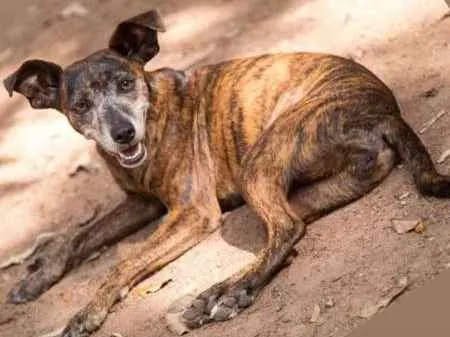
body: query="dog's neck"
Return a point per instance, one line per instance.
(170, 108)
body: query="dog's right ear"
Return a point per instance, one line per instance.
(136, 38)
(38, 81)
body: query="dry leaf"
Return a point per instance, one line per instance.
(152, 288)
(420, 228)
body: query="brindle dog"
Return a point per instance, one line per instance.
(294, 136)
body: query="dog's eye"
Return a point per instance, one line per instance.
(82, 107)
(126, 84)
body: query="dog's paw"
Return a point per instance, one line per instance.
(36, 283)
(27, 290)
(218, 303)
(84, 323)
(47, 269)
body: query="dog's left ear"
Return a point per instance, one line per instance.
(38, 81)
(136, 38)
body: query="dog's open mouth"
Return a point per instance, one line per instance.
(132, 156)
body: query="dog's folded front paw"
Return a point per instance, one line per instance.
(37, 282)
(25, 291)
(47, 268)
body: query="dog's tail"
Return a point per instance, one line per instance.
(415, 156)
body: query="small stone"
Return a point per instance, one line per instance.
(430, 93)
(403, 281)
(75, 9)
(404, 195)
(329, 302)
(315, 314)
(404, 226)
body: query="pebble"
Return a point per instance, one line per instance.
(75, 9)
(405, 226)
(329, 302)
(315, 314)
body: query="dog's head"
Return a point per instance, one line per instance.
(104, 96)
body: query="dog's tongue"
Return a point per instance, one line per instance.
(130, 151)
(132, 156)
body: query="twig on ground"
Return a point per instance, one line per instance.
(433, 120)
(153, 288)
(444, 156)
(54, 333)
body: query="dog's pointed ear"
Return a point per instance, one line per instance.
(38, 81)
(137, 38)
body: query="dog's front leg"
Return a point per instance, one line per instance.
(181, 229)
(70, 249)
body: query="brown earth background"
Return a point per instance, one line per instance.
(350, 264)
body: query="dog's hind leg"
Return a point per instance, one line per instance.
(364, 170)
(359, 160)
(70, 249)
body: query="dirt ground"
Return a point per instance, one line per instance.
(350, 264)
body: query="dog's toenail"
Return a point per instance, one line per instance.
(212, 301)
(229, 301)
(191, 314)
(244, 299)
(221, 313)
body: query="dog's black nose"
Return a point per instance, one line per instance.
(123, 134)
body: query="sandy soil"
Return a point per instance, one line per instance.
(350, 263)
